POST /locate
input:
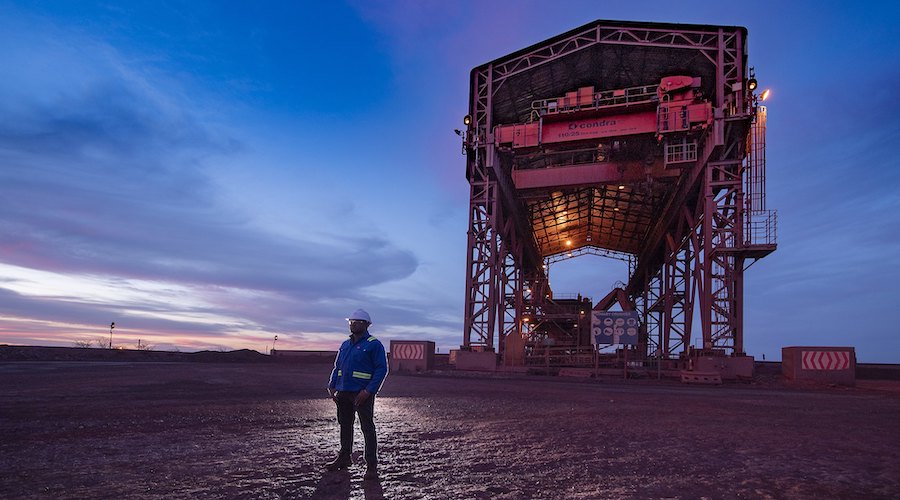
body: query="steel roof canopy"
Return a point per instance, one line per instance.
(615, 54)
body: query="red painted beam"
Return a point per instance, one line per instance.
(595, 128)
(590, 173)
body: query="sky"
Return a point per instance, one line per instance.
(211, 174)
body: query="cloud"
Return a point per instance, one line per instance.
(106, 172)
(110, 179)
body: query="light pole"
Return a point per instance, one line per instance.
(111, 326)
(273, 344)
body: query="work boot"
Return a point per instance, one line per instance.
(341, 462)
(371, 473)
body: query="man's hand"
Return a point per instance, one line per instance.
(333, 393)
(361, 397)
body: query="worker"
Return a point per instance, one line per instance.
(359, 371)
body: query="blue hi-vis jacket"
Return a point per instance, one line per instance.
(359, 366)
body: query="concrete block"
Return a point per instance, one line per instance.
(476, 361)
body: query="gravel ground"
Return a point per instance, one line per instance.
(194, 430)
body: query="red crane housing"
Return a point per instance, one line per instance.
(584, 115)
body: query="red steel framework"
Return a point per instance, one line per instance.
(663, 166)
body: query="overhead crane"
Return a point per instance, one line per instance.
(628, 140)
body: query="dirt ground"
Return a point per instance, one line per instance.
(195, 430)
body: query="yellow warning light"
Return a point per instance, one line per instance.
(568, 243)
(752, 84)
(764, 95)
(467, 120)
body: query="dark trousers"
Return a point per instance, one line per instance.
(346, 414)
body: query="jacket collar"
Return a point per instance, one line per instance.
(362, 337)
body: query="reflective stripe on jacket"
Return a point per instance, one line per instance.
(359, 366)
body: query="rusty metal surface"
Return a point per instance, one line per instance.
(188, 430)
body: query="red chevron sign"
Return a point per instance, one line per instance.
(826, 360)
(408, 351)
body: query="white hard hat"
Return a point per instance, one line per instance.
(360, 314)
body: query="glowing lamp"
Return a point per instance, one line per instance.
(468, 119)
(764, 95)
(752, 84)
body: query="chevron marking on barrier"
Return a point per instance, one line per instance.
(825, 360)
(409, 351)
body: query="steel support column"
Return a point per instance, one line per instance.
(511, 288)
(722, 260)
(481, 255)
(483, 239)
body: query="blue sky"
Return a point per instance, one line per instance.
(211, 174)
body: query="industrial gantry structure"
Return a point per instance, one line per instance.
(638, 141)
